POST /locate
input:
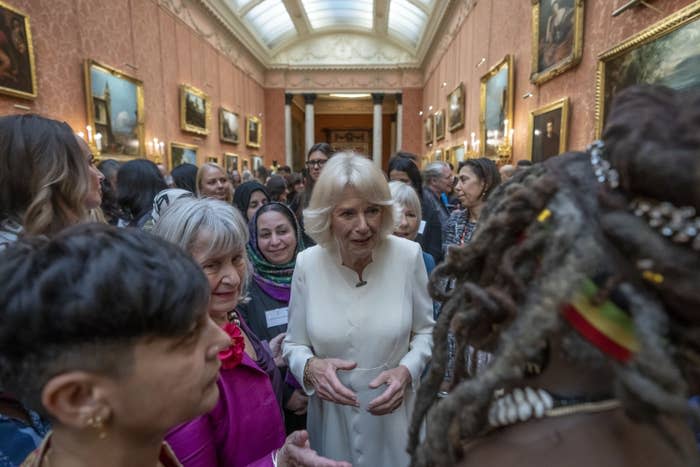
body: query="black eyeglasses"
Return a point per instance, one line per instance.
(316, 163)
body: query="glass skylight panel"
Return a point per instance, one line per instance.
(238, 4)
(325, 13)
(406, 20)
(271, 20)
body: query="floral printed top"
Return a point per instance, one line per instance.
(457, 230)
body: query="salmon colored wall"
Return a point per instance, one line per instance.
(354, 121)
(273, 135)
(498, 27)
(412, 127)
(147, 41)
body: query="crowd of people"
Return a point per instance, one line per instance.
(524, 315)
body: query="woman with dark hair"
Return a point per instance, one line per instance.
(185, 177)
(275, 240)
(402, 168)
(138, 182)
(582, 279)
(110, 207)
(249, 197)
(47, 177)
(114, 358)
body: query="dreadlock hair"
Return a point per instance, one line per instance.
(520, 267)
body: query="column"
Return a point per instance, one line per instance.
(309, 100)
(399, 121)
(288, 129)
(377, 99)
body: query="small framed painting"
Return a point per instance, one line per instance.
(182, 153)
(548, 130)
(17, 67)
(230, 162)
(253, 132)
(428, 130)
(439, 125)
(455, 108)
(195, 110)
(228, 126)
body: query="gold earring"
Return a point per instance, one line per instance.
(97, 423)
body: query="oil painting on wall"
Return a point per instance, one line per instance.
(428, 130)
(557, 37)
(455, 108)
(17, 69)
(548, 130)
(253, 132)
(195, 110)
(496, 104)
(228, 126)
(181, 153)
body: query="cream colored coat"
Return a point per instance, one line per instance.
(383, 324)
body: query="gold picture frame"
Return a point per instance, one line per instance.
(195, 110)
(662, 51)
(230, 162)
(213, 159)
(20, 80)
(548, 130)
(557, 38)
(496, 102)
(458, 154)
(428, 130)
(229, 126)
(253, 132)
(455, 108)
(115, 112)
(181, 153)
(439, 118)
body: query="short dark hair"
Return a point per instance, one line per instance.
(82, 299)
(138, 182)
(325, 148)
(404, 163)
(486, 170)
(276, 186)
(524, 163)
(185, 176)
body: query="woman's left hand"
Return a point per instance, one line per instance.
(276, 348)
(391, 399)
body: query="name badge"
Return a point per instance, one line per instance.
(421, 227)
(277, 317)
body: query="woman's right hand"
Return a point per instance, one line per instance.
(296, 452)
(323, 377)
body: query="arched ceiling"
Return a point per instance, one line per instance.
(333, 34)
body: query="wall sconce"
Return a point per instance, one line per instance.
(527, 95)
(420, 113)
(430, 108)
(94, 141)
(444, 84)
(481, 62)
(155, 149)
(472, 149)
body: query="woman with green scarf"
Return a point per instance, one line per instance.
(275, 240)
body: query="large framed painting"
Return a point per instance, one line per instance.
(195, 110)
(557, 37)
(496, 106)
(230, 162)
(182, 153)
(548, 130)
(455, 108)
(115, 112)
(228, 126)
(666, 53)
(253, 132)
(439, 125)
(17, 68)
(428, 130)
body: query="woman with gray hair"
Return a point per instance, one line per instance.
(359, 333)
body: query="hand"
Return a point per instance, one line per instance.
(276, 349)
(296, 452)
(323, 378)
(297, 403)
(391, 399)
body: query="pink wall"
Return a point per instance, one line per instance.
(498, 27)
(146, 41)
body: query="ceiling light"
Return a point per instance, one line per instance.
(341, 95)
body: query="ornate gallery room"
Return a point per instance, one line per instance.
(258, 82)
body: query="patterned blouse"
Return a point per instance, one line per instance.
(458, 230)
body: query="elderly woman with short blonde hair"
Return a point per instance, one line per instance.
(360, 322)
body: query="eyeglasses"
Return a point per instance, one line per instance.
(316, 163)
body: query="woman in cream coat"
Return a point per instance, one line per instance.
(360, 322)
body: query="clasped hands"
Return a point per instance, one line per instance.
(323, 377)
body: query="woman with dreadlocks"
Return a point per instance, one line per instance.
(583, 281)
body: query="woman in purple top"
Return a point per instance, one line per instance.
(246, 426)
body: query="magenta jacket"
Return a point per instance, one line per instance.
(243, 429)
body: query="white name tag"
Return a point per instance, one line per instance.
(277, 317)
(421, 227)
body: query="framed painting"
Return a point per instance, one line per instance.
(438, 155)
(455, 108)
(213, 159)
(257, 162)
(228, 126)
(195, 110)
(458, 154)
(230, 162)
(17, 67)
(428, 130)
(253, 132)
(439, 125)
(115, 112)
(666, 53)
(496, 106)
(181, 153)
(557, 37)
(548, 130)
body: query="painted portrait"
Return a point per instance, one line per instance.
(428, 130)
(228, 126)
(230, 162)
(181, 153)
(548, 130)
(17, 68)
(496, 103)
(667, 53)
(115, 111)
(557, 37)
(439, 125)
(195, 110)
(455, 108)
(253, 132)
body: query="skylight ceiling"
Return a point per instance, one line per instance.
(268, 27)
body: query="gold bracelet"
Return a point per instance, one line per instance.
(307, 373)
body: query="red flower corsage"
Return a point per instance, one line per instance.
(232, 356)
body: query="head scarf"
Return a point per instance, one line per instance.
(241, 197)
(274, 279)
